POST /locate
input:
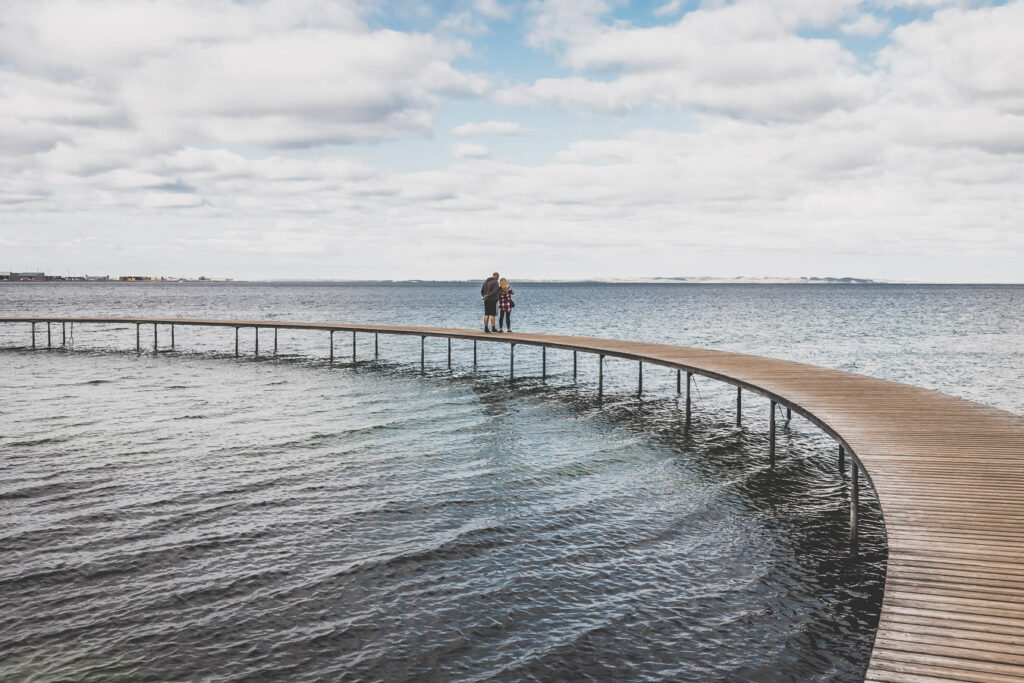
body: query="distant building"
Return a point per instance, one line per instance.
(5, 276)
(135, 278)
(27, 277)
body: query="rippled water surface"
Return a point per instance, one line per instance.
(189, 515)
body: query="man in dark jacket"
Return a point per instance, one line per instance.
(489, 293)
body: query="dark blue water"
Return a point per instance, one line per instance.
(188, 515)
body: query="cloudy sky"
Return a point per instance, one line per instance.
(545, 139)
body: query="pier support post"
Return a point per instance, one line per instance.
(854, 498)
(172, 336)
(543, 362)
(275, 341)
(423, 355)
(63, 335)
(332, 346)
(449, 353)
(353, 346)
(256, 339)
(138, 343)
(842, 459)
(679, 381)
(33, 335)
(236, 342)
(511, 362)
(640, 379)
(48, 334)
(600, 375)
(474, 354)
(573, 366)
(739, 406)
(689, 375)
(376, 345)
(155, 348)
(771, 437)
(789, 415)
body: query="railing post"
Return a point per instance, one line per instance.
(573, 366)
(771, 436)
(236, 342)
(854, 498)
(353, 346)
(138, 343)
(689, 375)
(640, 379)
(543, 362)
(155, 348)
(842, 459)
(600, 375)
(423, 357)
(511, 361)
(63, 335)
(739, 406)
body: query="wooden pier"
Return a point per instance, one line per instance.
(949, 475)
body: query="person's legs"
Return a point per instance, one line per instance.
(508, 320)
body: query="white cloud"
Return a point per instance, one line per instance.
(743, 60)
(866, 25)
(465, 150)
(492, 128)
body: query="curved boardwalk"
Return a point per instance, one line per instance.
(949, 475)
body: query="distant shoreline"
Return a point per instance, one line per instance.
(525, 281)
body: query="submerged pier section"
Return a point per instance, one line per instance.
(949, 475)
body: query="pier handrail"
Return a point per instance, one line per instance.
(948, 473)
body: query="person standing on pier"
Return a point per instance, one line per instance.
(505, 304)
(490, 293)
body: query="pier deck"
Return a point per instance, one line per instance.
(949, 475)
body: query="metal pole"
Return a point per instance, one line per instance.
(63, 334)
(236, 342)
(332, 346)
(771, 436)
(543, 362)
(172, 335)
(376, 348)
(511, 361)
(842, 459)
(47, 334)
(33, 335)
(353, 346)
(679, 381)
(640, 379)
(154, 339)
(474, 353)
(573, 366)
(789, 414)
(275, 341)
(138, 346)
(600, 375)
(854, 497)
(449, 353)
(688, 376)
(739, 406)
(256, 330)
(423, 360)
